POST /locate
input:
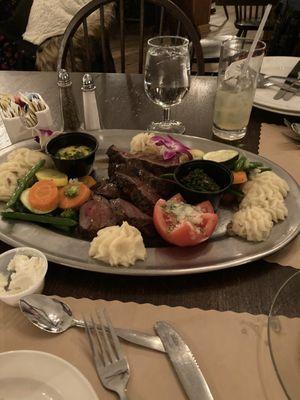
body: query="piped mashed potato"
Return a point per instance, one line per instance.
(26, 271)
(118, 245)
(262, 206)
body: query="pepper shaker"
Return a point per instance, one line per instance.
(90, 109)
(68, 107)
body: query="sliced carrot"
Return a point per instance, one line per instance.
(239, 177)
(73, 195)
(43, 195)
(88, 180)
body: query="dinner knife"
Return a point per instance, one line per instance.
(291, 76)
(289, 95)
(183, 362)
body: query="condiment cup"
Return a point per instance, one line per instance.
(37, 287)
(218, 172)
(80, 166)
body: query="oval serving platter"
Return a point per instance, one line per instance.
(219, 252)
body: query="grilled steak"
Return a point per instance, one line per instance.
(165, 188)
(139, 193)
(149, 162)
(106, 189)
(125, 211)
(95, 215)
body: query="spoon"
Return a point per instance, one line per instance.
(54, 316)
(294, 131)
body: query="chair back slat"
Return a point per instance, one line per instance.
(178, 30)
(72, 56)
(237, 12)
(141, 37)
(161, 21)
(250, 13)
(122, 35)
(88, 64)
(102, 36)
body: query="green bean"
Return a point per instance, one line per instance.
(240, 163)
(23, 183)
(39, 218)
(235, 192)
(252, 165)
(263, 169)
(167, 176)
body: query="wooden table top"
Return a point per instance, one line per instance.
(123, 104)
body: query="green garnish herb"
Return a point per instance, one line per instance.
(71, 191)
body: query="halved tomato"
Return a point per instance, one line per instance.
(181, 224)
(204, 206)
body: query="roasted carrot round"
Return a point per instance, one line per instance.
(73, 195)
(239, 177)
(43, 195)
(88, 180)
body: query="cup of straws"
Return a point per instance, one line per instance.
(25, 115)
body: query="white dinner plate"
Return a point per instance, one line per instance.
(263, 99)
(34, 375)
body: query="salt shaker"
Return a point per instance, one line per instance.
(90, 109)
(68, 107)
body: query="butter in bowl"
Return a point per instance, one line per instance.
(22, 272)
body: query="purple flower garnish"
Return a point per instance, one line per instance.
(46, 132)
(173, 147)
(40, 136)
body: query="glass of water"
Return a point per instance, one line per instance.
(236, 87)
(167, 77)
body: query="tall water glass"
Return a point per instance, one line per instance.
(236, 88)
(167, 77)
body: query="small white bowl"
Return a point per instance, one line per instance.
(37, 287)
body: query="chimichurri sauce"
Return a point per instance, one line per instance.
(197, 179)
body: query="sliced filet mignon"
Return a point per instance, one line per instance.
(165, 188)
(137, 191)
(95, 215)
(125, 211)
(107, 189)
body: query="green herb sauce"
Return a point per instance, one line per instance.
(73, 152)
(197, 179)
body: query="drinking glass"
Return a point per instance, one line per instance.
(236, 87)
(167, 77)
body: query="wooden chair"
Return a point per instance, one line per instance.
(184, 27)
(248, 13)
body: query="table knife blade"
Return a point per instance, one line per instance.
(183, 362)
(289, 95)
(139, 338)
(289, 80)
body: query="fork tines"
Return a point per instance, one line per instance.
(111, 364)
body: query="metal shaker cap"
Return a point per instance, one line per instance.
(63, 78)
(88, 83)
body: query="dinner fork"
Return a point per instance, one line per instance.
(110, 362)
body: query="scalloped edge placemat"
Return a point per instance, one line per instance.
(286, 153)
(231, 349)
